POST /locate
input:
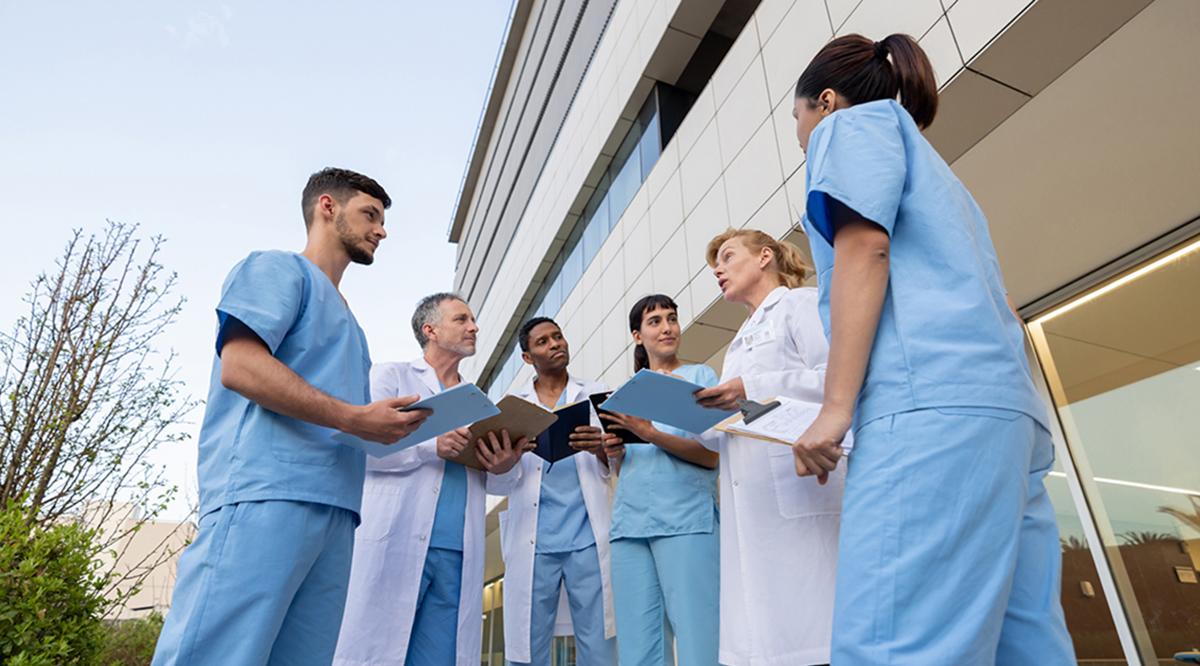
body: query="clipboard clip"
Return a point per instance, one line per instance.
(752, 411)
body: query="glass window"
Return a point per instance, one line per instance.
(594, 233)
(639, 151)
(1123, 364)
(650, 147)
(573, 267)
(627, 177)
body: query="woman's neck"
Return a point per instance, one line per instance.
(763, 288)
(664, 363)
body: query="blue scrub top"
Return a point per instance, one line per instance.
(661, 495)
(562, 524)
(946, 335)
(449, 518)
(248, 453)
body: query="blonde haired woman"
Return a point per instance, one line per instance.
(779, 532)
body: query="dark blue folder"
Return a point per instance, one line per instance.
(554, 443)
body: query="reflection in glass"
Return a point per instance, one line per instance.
(619, 184)
(1124, 368)
(1089, 617)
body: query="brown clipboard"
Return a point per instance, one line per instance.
(518, 416)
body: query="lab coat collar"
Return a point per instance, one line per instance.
(573, 389)
(768, 303)
(428, 374)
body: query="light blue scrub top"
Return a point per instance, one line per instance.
(563, 525)
(946, 335)
(450, 516)
(661, 495)
(248, 453)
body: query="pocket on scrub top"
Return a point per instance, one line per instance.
(800, 496)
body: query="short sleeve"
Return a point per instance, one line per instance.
(856, 159)
(265, 292)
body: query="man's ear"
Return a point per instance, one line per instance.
(326, 206)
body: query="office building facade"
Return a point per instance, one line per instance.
(620, 136)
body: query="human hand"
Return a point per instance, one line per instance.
(819, 449)
(722, 396)
(382, 421)
(643, 428)
(453, 443)
(500, 454)
(587, 438)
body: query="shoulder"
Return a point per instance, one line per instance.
(802, 297)
(591, 386)
(391, 370)
(868, 121)
(702, 374)
(277, 265)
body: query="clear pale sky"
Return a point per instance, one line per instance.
(201, 121)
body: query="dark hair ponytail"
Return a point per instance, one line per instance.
(641, 359)
(859, 70)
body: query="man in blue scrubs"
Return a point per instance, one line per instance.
(265, 580)
(555, 532)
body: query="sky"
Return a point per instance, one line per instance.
(201, 121)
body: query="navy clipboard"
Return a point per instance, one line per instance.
(554, 443)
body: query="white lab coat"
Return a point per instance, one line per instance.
(399, 503)
(779, 532)
(518, 528)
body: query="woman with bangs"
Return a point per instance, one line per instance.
(665, 552)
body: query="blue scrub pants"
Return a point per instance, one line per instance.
(949, 551)
(263, 583)
(579, 571)
(673, 578)
(434, 636)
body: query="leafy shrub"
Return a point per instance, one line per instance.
(51, 596)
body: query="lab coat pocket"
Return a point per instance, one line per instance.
(379, 516)
(802, 496)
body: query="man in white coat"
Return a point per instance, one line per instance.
(417, 575)
(555, 531)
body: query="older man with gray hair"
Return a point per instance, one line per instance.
(417, 576)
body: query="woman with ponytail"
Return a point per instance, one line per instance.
(779, 532)
(665, 562)
(949, 548)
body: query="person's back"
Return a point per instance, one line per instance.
(948, 549)
(946, 334)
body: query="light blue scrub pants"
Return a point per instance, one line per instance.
(263, 583)
(580, 571)
(434, 637)
(949, 551)
(672, 578)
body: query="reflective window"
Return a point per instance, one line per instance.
(639, 151)
(1123, 364)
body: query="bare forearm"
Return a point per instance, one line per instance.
(684, 449)
(249, 369)
(860, 280)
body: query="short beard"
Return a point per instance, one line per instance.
(357, 254)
